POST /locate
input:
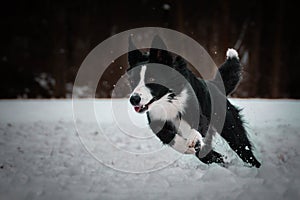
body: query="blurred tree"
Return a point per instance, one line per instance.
(51, 38)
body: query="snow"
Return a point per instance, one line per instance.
(166, 6)
(45, 80)
(42, 156)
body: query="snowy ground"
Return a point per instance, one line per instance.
(42, 156)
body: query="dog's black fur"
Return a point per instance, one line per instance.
(233, 130)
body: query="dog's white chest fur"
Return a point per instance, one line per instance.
(165, 110)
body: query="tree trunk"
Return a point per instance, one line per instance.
(276, 75)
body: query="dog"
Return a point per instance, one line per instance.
(168, 106)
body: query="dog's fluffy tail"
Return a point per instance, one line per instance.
(231, 71)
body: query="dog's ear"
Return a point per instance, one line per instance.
(134, 55)
(158, 43)
(159, 53)
(180, 65)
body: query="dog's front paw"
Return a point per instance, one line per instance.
(190, 151)
(195, 140)
(197, 146)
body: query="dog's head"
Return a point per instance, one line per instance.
(148, 76)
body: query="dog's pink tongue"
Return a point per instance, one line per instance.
(137, 108)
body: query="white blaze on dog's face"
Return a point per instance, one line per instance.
(144, 91)
(141, 90)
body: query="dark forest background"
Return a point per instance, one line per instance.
(43, 43)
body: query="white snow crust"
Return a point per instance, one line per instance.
(41, 156)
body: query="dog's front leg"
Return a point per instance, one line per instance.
(205, 144)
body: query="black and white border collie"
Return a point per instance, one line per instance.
(168, 108)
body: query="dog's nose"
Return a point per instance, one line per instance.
(135, 99)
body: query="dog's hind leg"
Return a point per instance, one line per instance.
(205, 152)
(205, 144)
(236, 136)
(212, 157)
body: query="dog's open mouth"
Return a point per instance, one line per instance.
(143, 108)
